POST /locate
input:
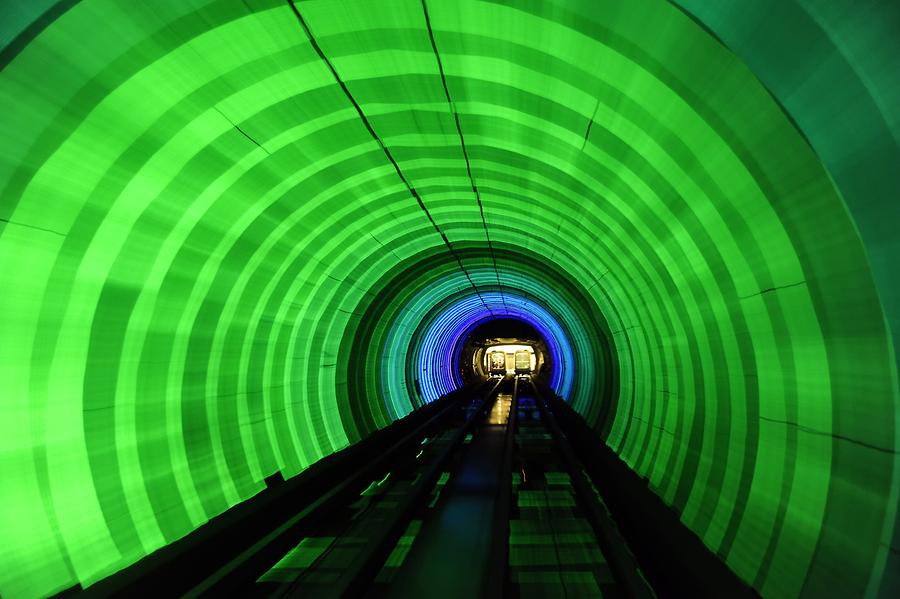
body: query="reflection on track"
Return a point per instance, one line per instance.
(499, 414)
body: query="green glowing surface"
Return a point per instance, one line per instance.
(198, 231)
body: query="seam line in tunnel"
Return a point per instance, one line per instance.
(813, 431)
(462, 143)
(590, 125)
(384, 148)
(771, 289)
(34, 227)
(242, 132)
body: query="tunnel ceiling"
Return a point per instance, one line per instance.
(230, 231)
(505, 328)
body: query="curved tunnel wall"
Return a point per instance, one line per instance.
(197, 220)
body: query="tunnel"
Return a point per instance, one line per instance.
(239, 239)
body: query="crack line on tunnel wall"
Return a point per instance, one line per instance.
(27, 226)
(242, 132)
(384, 148)
(813, 431)
(771, 289)
(462, 143)
(590, 124)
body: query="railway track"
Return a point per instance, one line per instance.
(484, 499)
(482, 493)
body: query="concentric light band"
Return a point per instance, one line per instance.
(226, 246)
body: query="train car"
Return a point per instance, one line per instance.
(497, 362)
(523, 362)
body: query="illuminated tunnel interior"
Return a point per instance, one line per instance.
(238, 237)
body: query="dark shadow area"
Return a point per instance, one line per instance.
(505, 328)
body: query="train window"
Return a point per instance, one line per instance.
(500, 360)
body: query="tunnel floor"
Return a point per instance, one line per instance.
(501, 519)
(481, 494)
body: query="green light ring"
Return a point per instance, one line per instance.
(388, 319)
(350, 257)
(432, 270)
(275, 298)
